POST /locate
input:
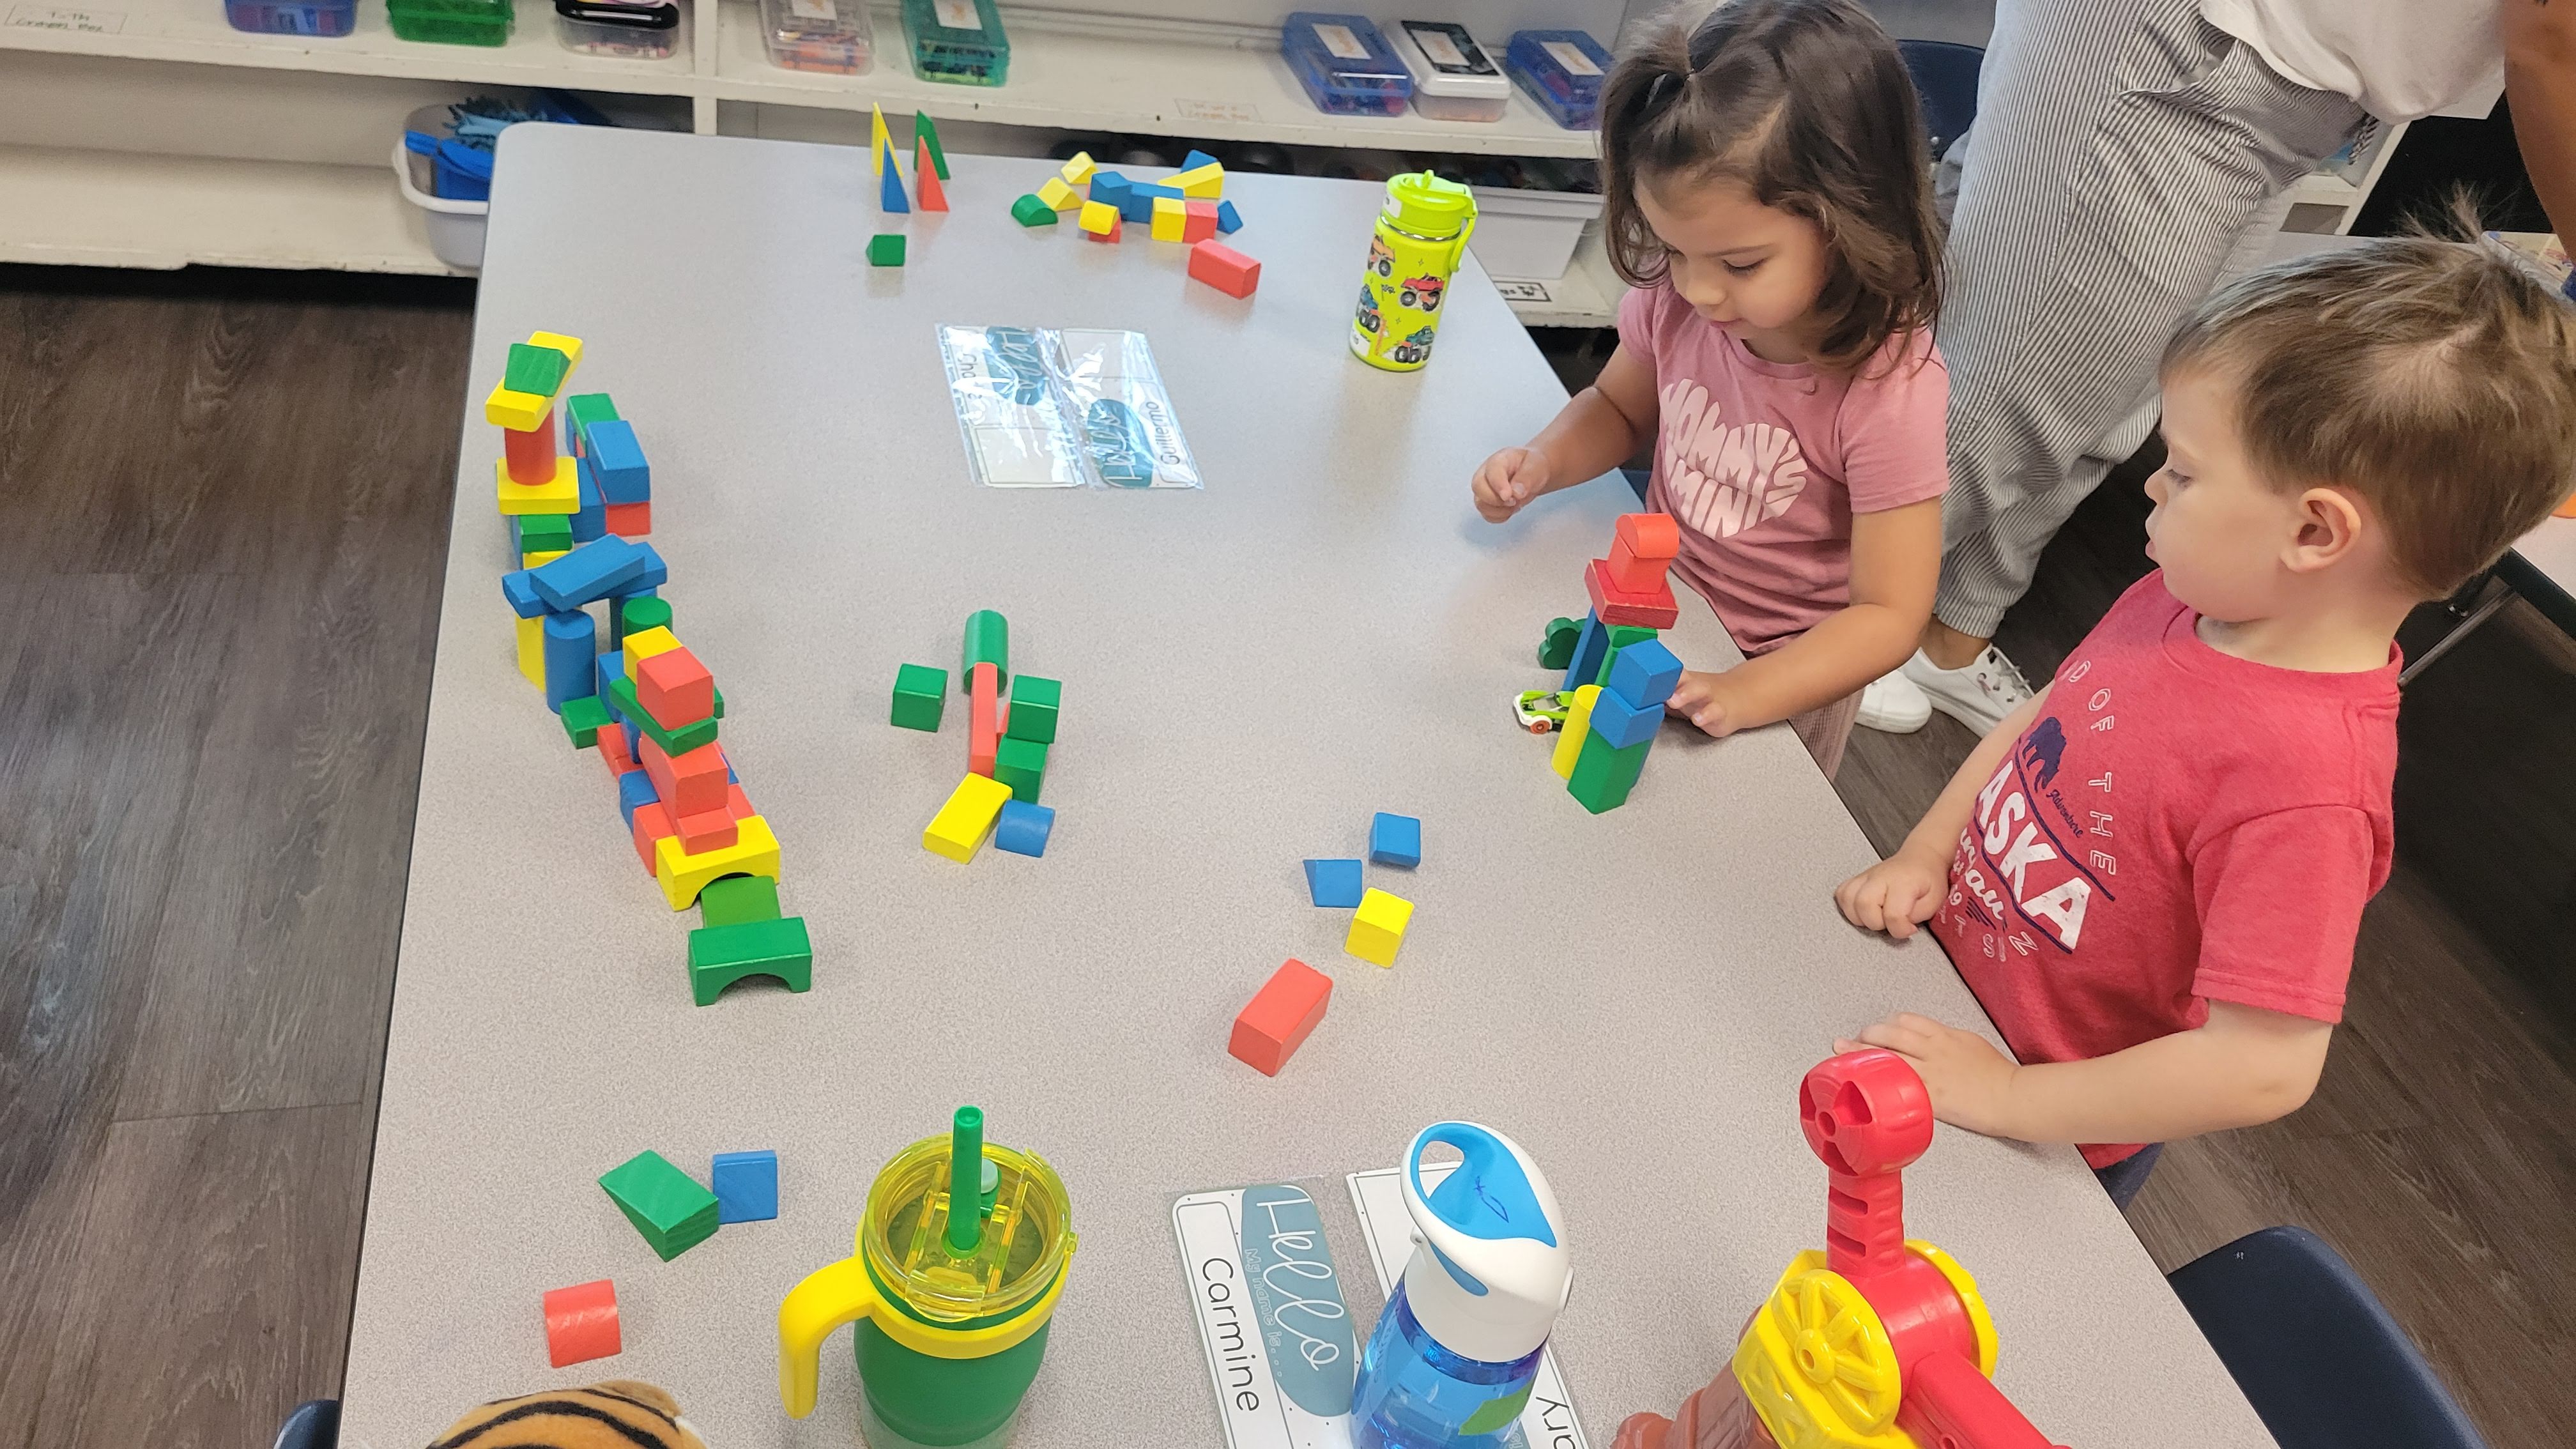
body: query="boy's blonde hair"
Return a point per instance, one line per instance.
(2435, 379)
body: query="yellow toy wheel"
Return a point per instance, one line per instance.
(1838, 1345)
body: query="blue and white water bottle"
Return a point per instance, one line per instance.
(1452, 1360)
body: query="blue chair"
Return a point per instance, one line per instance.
(315, 1424)
(1945, 81)
(2316, 1354)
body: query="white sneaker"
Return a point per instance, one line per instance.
(1891, 704)
(1978, 695)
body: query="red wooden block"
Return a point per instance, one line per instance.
(693, 783)
(1277, 1021)
(581, 1323)
(531, 455)
(984, 719)
(926, 191)
(675, 688)
(1615, 605)
(1224, 268)
(652, 822)
(612, 751)
(1633, 572)
(630, 520)
(738, 804)
(1116, 225)
(711, 830)
(1199, 222)
(1651, 535)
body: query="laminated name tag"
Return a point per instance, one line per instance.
(1041, 408)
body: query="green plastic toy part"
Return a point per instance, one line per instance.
(966, 1176)
(988, 641)
(1556, 647)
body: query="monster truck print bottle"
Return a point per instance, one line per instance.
(1421, 234)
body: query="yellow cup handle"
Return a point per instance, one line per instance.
(829, 1297)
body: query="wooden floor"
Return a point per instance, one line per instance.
(223, 516)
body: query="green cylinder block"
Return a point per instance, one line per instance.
(988, 641)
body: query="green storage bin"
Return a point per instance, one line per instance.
(451, 22)
(958, 41)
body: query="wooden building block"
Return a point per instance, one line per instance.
(1645, 673)
(1098, 220)
(1059, 196)
(958, 830)
(581, 1323)
(688, 737)
(1078, 171)
(746, 1184)
(738, 898)
(683, 875)
(562, 494)
(925, 134)
(1035, 705)
(1377, 928)
(629, 520)
(1224, 268)
(690, 783)
(528, 457)
(675, 689)
(1649, 535)
(1556, 645)
(1634, 573)
(1198, 221)
(1228, 220)
(666, 1205)
(926, 172)
(583, 718)
(1578, 722)
(983, 720)
(987, 641)
(1620, 636)
(705, 831)
(1171, 219)
(650, 825)
(536, 371)
(507, 407)
(1032, 211)
(1333, 883)
(570, 347)
(1648, 608)
(613, 754)
(1604, 773)
(719, 956)
(920, 697)
(642, 644)
(532, 649)
(1200, 183)
(1280, 1016)
(885, 249)
(1022, 828)
(1021, 764)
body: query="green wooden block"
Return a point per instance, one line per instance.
(920, 697)
(886, 250)
(924, 131)
(584, 718)
(531, 369)
(673, 742)
(1021, 764)
(545, 532)
(1034, 705)
(719, 694)
(1556, 646)
(586, 408)
(1029, 211)
(988, 641)
(719, 956)
(666, 1205)
(1603, 776)
(1621, 636)
(736, 899)
(637, 615)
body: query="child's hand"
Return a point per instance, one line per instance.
(1970, 1082)
(1705, 700)
(1895, 895)
(1508, 480)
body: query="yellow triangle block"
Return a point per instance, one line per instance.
(961, 825)
(1201, 183)
(1058, 196)
(562, 495)
(520, 412)
(878, 142)
(682, 875)
(1077, 171)
(1098, 217)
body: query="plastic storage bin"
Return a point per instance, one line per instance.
(455, 226)
(321, 17)
(605, 27)
(958, 41)
(1562, 70)
(451, 22)
(834, 36)
(1345, 65)
(1453, 78)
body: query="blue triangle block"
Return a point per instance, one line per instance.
(890, 195)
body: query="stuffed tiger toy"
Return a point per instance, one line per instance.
(617, 1414)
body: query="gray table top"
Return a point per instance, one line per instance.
(1325, 631)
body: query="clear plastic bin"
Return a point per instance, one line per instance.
(833, 36)
(1345, 65)
(1563, 71)
(604, 27)
(957, 41)
(1453, 78)
(321, 17)
(451, 22)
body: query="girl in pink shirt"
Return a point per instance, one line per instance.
(1767, 196)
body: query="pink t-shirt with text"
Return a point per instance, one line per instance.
(1764, 463)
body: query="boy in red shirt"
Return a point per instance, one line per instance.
(2152, 873)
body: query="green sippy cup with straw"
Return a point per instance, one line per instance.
(960, 1259)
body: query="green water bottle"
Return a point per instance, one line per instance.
(1421, 233)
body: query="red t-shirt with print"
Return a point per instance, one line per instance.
(2178, 826)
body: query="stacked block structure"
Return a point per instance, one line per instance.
(1618, 673)
(1007, 742)
(1188, 209)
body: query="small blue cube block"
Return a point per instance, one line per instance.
(616, 461)
(1395, 840)
(1333, 882)
(521, 592)
(1645, 673)
(1197, 159)
(1620, 723)
(1228, 220)
(746, 1186)
(1023, 828)
(634, 791)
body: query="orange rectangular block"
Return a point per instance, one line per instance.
(652, 826)
(1280, 1016)
(675, 688)
(1651, 535)
(1198, 221)
(737, 804)
(1652, 608)
(581, 1323)
(612, 751)
(984, 720)
(630, 520)
(1224, 268)
(530, 455)
(1634, 572)
(691, 784)
(708, 830)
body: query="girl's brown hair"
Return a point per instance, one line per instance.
(1806, 104)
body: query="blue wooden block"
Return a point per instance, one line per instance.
(634, 737)
(590, 521)
(1228, 220)
(617, 615)
(1621, 722)
(1589, 649)
(634, 789)
(521, 592)
(1644, 674)
(746, 1186)
(1110, 188)
(616, 460)
(1395, 840)
(1139, 205)
(1023, 828)
(597, 570)
(1333, 882)
(1197, 159)
(572, 641)
(890, 195)
(605, 671)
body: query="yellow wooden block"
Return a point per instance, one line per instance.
(643, 644)
(563, 495)
(1077, 171)
(570, 347)
(1377, 930)
(1058, 196)
(517, 411)
(1097, 218)
(958, 830)
(532, 650)
(1171, 219)
(878, 139)
(1578, 723)
(542, 558)
(1201, 183)
(682, 875)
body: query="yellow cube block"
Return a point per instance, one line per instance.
(643, 644)
(1377, 930)
(1201, 183)
(532, 650)
(570, 347)
(958, 830)
(563, 495)
(1098, 218)
(1171, 219)
(682, 875)
(1077, 171)
(1058, 196)
(1578, 723)
(542, 558)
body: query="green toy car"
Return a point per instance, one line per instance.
(1541, 711)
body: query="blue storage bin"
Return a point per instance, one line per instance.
(309, 17)
(1345, 64)
(1562, 71)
